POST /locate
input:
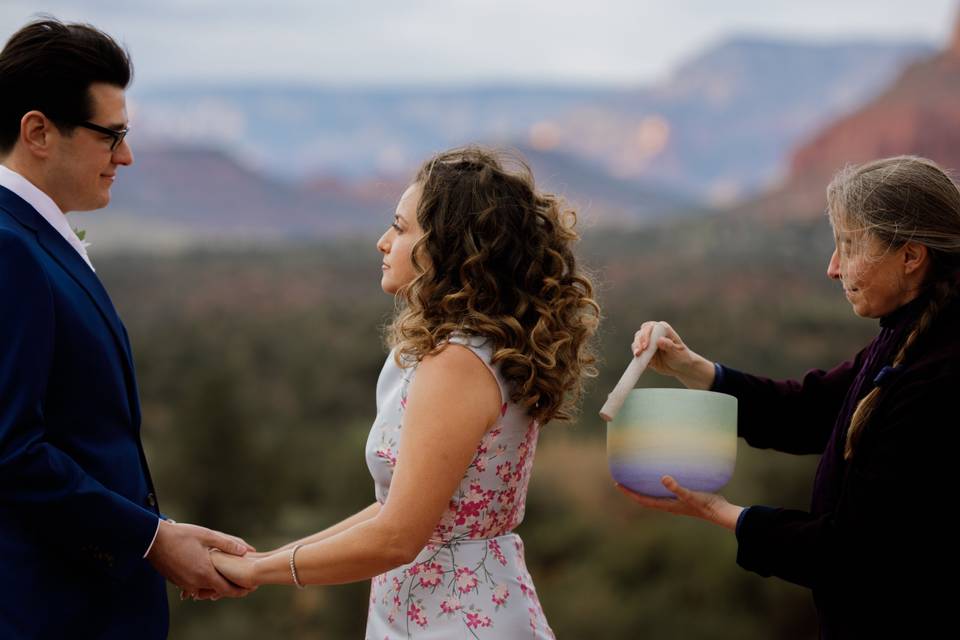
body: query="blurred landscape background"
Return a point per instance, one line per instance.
(239, 250)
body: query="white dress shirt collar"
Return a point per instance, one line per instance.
(45, 206)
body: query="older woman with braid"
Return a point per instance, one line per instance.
(875, 547)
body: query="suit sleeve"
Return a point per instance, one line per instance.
(887, 535)
(51, 494)
(791, 416)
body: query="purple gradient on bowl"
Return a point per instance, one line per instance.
(645, 478)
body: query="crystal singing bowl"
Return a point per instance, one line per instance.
(685, 433)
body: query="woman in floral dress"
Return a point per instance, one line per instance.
(490, 341)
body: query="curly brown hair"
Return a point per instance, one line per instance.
(496, 260)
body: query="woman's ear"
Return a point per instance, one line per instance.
(915, 258)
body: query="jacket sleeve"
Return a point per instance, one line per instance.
(887, 534)
(791, 416)
(42, 486)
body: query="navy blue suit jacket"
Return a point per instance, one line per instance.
(77, 505)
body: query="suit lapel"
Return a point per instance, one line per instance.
(71, 261)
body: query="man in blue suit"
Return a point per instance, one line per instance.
(83, 548)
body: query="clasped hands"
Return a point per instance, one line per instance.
(183, 554)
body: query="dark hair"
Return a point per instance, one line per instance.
(48, 66)
(496, 259)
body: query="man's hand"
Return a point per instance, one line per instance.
(181, 554)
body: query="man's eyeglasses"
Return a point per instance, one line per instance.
(117, 135)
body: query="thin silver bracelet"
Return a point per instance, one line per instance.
(293, 566)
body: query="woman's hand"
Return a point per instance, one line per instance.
(697, 504)
(238, 570)
(674, 358)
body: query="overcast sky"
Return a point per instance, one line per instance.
(608, 42)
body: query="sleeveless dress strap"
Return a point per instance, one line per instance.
(482, 347)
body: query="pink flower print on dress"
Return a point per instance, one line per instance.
(467, 510)
(473, 503)
(475, 620)
(508, 497)
(394, 610)
(431, 575)
(524, 589)
(524, 447)
(498, 524)
(387, 454)
(484, 525)
(494, 547)
(480, 457)
(450, 605)
(466, 580)
(415, 613)
(461, 590)
(500, 595)
(476, 530)
(442, 532)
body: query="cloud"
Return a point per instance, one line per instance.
(459, 41)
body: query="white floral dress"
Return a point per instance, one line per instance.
(470, 581)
